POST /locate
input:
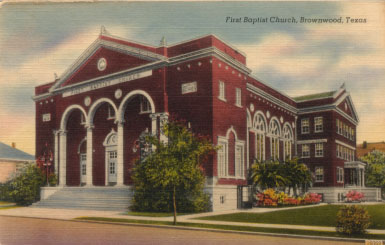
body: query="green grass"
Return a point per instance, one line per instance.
(315, 216)
(237, 228)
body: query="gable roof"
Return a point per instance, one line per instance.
(317, 96)
(9, 153)
(107, 41)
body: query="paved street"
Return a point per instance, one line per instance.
(16, 230)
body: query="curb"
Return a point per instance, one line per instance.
(356, 240)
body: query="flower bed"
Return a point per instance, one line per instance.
(355, 196)
(271, 198)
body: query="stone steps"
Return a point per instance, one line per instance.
(91, 198)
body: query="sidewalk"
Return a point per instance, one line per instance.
(70, 214)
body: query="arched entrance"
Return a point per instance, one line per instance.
(111, 155)
(72, 132)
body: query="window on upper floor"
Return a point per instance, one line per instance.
(288, 140)
(337, 126)
(318, 124)
(305, 126)
(274, 139)
(305, 151)
(145, 106)
(319, 174)
(111, 112)
(319, 150)
(222, 91)
(238, 97)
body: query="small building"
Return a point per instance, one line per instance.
(93, 115)
(11, 159)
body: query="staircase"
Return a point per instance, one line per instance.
(90, 198)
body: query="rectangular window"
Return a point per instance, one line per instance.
(260, 147)
(319, 150)
(353, 136)
(47, 117)
(340, 129)
(222, 90)
(319, 174)
(111, 112)
(305, 151)
(238, 97)
(145, 106)
(318, 124)
(239, 161)
(222, 160)
(340, 175)
(274, 148)
(305, 126)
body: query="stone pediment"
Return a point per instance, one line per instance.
(105, 57)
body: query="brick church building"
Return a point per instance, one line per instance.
(93, 115)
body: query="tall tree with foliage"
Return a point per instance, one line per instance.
(375, 170)
(172, 176)
(297, 175)
(272, 174)
(268, 175)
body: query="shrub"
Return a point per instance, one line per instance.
(352, 219)
(272, 198)
(354, 196)
(24, 188)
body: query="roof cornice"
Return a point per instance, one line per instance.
(271, 98)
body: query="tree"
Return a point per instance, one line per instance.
(173, 172)
(268, 175)
(375, 170)
(297, 175)
(24, 188)
(275, 175)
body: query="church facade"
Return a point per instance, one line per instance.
(93, 115)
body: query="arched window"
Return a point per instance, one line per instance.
(259, 125)
(274, 139)
(288, 140)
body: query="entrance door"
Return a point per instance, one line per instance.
(83, 168)
(112, 161)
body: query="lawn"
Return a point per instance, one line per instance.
(314, 216)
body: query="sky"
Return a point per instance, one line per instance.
(38, 40)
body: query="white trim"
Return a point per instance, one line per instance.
(300, 142)
(95, 106)
(67, 112)
(122, 106)
(270, 98)
(346, 145)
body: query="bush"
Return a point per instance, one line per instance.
(352, 220)
(354, 196)
(24, 188)
(271, 198)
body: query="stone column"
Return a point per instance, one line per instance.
(120, 155)
(363, 177)
(56, 152)
(154, 119)
(63, 158)
(163, 119)
(89, 169)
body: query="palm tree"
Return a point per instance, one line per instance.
(268, 175)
